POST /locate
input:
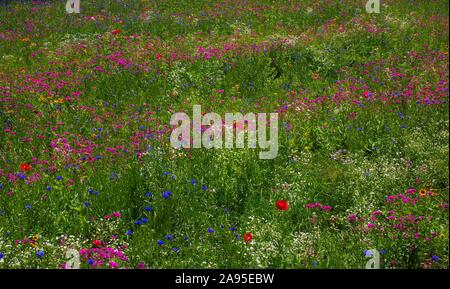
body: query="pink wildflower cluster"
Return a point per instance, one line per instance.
(99, 257)
(318, 205)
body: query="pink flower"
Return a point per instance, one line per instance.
(326, 208)
(352, 218)
(116, 214)
(411, 191)
(113, 264)
(141, 265)
(312, 205)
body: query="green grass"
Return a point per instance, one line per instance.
(363, 115)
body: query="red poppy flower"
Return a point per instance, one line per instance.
(282, 205)
(248, 237)
(97, 243)
(25, 167)
(117, 31)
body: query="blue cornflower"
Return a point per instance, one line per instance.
(22, 176)
(232, 229)
(383, 251)
(1, 255)
(186, 238)
(148, 194)
(1, 186)
(435, 258)
(138, 222)
(144, 220)
(204, 188)
(86, 204)
(367, 253)
(40, 253)
(314, 263)
(176, 250)
(404, 126)
(166, 173)
(238, 237)
(211, 230)
(166, 195)
(129, 232)
(27, 207)
(48, 188)
(91, 191)
(148, 208)
(360, 129)
(91, 262)
(169, 237)
(59, 178)
(194, 182)
(160, 242)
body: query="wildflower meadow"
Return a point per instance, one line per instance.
(118, 147)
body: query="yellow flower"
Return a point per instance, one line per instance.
(59, 100)
(422, 192)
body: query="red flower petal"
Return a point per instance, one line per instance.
(282, 205)
(248, 237)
